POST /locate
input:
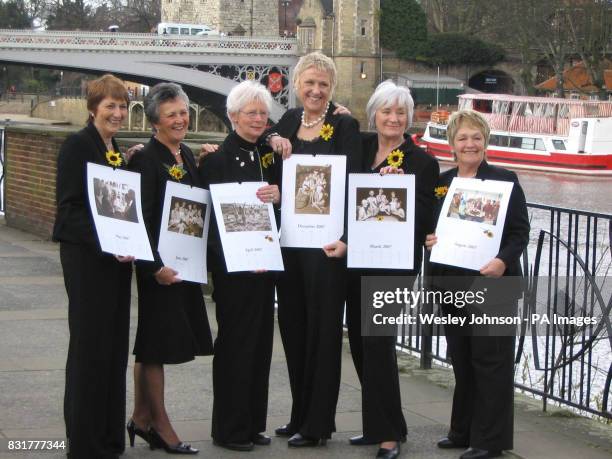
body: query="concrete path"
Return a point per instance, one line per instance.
(34, 337)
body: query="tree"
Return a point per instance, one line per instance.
(459, 16)
(14, 15)
(590, 26)
(69, 15)
(458, 48)
(403, 27)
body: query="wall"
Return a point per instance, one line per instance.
(73, 111)
(30, 167)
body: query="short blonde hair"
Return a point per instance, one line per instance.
(320, 62)
(471, 118)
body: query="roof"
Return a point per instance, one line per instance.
(542, 100)
(576, 78)
(425, 80)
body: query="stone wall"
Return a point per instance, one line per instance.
(73, 111)
(225, 15)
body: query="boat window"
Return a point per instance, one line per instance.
(499, 140)
(437, 133)
(539, 145)
(516, 142)
(559, 144)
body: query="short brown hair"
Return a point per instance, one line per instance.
(471, 118)
(106, 86)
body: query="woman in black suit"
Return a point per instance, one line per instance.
(482, 414)
(312, 289)
(388, 151)
(244, 300)
(172, 322)
(98, 285)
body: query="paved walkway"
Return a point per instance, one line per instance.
(34, 337)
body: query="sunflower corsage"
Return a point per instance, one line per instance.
(114, 158)
(176, 171)
(440, 191)
(326, 132)
(395, 158)
(267, 160)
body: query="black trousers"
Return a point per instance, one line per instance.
(98, 288)
(375, 361)
(311, 294)
(483, 401)
(242, 354)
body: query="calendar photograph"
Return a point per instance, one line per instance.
(382, 204)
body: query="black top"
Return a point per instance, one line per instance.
(74, 221)
(344, 140)
(153, 162)
(237, 160)
(425, 169)
(515, 235)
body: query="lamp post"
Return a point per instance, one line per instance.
(285, 4)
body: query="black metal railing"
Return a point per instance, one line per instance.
(570, 274)
(2, 170)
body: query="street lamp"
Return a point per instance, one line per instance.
(285, 4)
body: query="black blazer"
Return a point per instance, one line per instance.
(515, 235)
(74, 221)
(426, 171)
(151, 162)
(233, 163)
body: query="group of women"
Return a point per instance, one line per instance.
(311, 291)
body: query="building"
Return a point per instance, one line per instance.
(232, 17)
(577, 84)
(347, 31)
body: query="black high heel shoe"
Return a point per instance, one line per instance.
(133, 430)
(158, 442)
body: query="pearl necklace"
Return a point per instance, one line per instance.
(318, 120)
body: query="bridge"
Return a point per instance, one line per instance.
(207, 67)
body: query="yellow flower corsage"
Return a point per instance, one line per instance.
(176, 171)
(267, 160)
(114, 158)
(395, 158)
(440, 191)
(326, 132)
(380, 218)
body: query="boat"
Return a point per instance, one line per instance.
(539, 133)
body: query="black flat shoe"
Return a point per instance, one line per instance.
(156, 441)
(235, 446)
(385, 453)
(284, 431)
(133, 430)
(360, 440)
(477, 453)
(447, 443)
(261, 439)
(299, 441)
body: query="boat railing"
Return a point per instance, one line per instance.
(528, 124)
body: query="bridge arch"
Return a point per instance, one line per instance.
(493, 81)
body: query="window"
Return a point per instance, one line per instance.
(437, 133)
(499, 140)
(527, 143)
(559, 144)
(364, 25)
(539, 145)
(516, 142)
(184, 30)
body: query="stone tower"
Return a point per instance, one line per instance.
(347, 31)
(258, 18)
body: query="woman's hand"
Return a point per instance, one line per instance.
(133, 149)
(495, 268)
(391, 170)
(124, 259)
(430, 241)
(269, 193)
(207, 148)
(280, 146)
(167, 276)
(335, 249)
(341, 109)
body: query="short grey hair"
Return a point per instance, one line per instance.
(320, 62)
(245, 93)
(160, 93)
(387, 94)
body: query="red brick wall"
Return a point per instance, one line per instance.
(30, 168)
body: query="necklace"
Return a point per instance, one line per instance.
(318, 120)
